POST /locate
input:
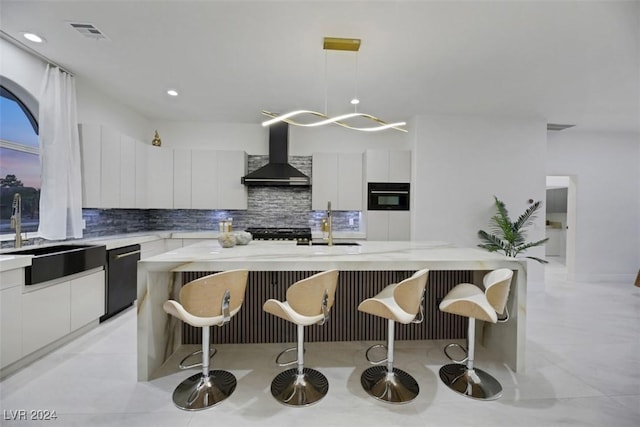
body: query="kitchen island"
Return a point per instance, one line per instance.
(160, 278)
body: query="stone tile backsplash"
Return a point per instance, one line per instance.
(267, 207)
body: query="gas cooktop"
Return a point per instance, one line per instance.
(276, 233)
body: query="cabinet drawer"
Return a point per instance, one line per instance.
(46, 316)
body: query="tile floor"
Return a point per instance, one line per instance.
(583, 369)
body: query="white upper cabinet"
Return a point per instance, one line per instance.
(337, 177)
(232, 194)
(204, 179)
(110, 169)
(159, 178)
(127, 172)
(388, 166)
(141, 174)
(181, 179)
(90, 151)
(120, 172)
(215, 179)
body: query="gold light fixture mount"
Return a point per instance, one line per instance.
(337, 43)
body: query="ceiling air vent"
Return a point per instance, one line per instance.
(88, 30)
(556, 126)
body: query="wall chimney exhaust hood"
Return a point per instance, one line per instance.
(278, 171)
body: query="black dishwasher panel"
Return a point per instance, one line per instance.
(122, 279)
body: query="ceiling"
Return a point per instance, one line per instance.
(567, 62)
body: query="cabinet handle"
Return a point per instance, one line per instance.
(388, 192)
(127, 254)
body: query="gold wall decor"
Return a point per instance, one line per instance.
(157, 142)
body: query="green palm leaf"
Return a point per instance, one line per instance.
(510, 237)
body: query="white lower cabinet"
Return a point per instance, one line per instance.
(386, 225)
(10, 325)
(46, 316)
(87, 299)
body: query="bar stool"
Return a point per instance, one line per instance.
(208, 301)
(398, 302)
(470, 301)
(308, 302)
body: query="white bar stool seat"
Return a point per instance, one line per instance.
(470, 301)
(398, 302)
(308, 303)
(208, 301)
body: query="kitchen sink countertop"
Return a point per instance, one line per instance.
(11, 261)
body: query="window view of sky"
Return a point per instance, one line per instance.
(15, 128)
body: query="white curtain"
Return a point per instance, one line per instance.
(61, 191)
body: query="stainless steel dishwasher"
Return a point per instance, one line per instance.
(122, 279)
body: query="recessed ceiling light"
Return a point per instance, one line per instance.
(172, 92)
(355, 101)
(33, 37)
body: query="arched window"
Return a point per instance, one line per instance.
(19, 155)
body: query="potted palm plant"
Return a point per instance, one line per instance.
(510, 237)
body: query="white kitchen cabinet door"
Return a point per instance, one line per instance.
(388, 225)
(324, 186)
(399, 225)
(110, 168)
(377, 165)
(204, 179)
(46, 316)
(399, 166)
(10, 325)
(87, 299)
(90, 152)
(377, 225)
(388, 166)
(127, 172)
(159, 178)
(182, 179)
(141, 174)
(232, 166)
(350, 182)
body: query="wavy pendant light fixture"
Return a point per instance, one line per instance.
(333, 43)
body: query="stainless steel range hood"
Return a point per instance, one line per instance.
(278, 171)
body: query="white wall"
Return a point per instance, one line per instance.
(21, 67)
(606, 167)
(94, 106)
(253, 138)
(461, 162)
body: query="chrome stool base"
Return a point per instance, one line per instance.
(292, 389)
(395, 387)
(476, 383)
(199, 392)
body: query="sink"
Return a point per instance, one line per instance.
(53, 262)
(312, 243)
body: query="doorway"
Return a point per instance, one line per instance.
(560, 222)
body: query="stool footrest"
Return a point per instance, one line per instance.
(282, 353)
(376, 362)
(456, 345)
(195, 365)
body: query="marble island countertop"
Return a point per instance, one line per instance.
(287, 255)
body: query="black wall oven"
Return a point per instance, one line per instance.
(388, 196)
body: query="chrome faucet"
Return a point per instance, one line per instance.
(329, 225)
(16, 219)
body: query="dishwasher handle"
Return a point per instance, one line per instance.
(126, 254)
